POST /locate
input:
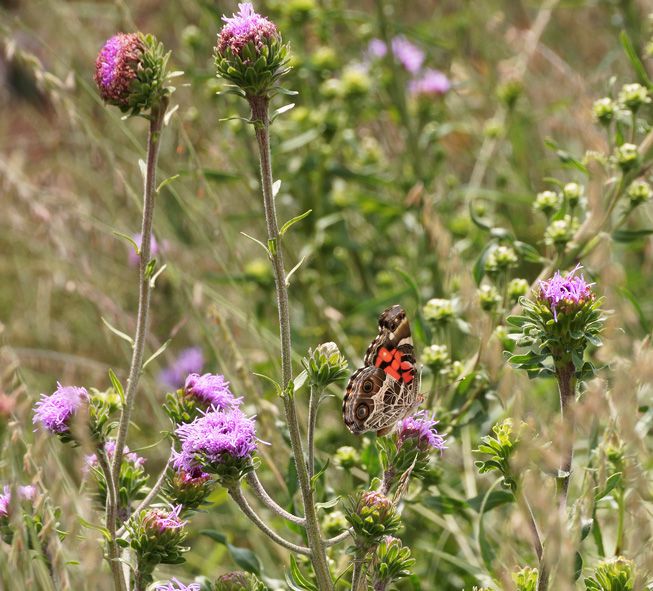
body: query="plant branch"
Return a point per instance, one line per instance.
(566, 376)
(263, 496)
(313, 402)
(237, 495)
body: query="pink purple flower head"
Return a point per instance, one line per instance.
(246, 26)
(25, 493)
(421, 426)
(162, 520)
(176, 585)
(408, 54)
(55, 411)
(116, 67)
(215, 438)
(430, 83)
(569, 291)
(132, 457)
(134, 259)
(377, 48)
(212, 390)
(189, 361)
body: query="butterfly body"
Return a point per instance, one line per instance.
(386, 388)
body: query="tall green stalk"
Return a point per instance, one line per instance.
(261, 121)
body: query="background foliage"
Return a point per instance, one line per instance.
(391, 182)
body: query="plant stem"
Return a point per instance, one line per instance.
(543, 571)
(566, 376)
(268, 501)
(313, 402)
(113, 551)
(261, 121)
(621, 509)
(237, 495)
(156, 122)
(358, 574)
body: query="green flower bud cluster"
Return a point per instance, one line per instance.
(525, 579)
(372, 516)
(626, 156)
(500, 259)
(560, 232)
(239, 581)
(391, 562)
(439, 311)
(639, 192)
(186, 489)
(181, 408)
(489, 297)
(346, 457)
(633, 96)
(548, 202)
(517, 288)
(102, 407)
(436, 358)
(499, 447)
(325, 365)
(614, 574)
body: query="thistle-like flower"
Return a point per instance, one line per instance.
(219, 443)
(372, 516)
(190, 360)
(614, 574)
(211, 390)
(25, 493)
(408, 54)
(55, 412)
(130, 72)
(189, 489)
(430, 84)
(420, 430)
(250, 53)
(392, 561)
(177, 585)
(239, 581)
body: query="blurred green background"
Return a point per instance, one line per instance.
(390, 178)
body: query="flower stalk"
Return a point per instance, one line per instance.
(566, 377)
(261, 121)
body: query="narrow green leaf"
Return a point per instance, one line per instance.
(103, 530)
(117, 386)
(158, 352)
(265, 248)
(117, 332)
(128, 239)
(156, 275)
(294, 220)
(635, 62)
(289, 275)
(166, 182)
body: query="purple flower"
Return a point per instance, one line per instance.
(421, 427)
(116, 67)
(176, 585)
(212, 390)
(55, 411)
(246, 26)
(133, 458)
(570, 291)
(187, 362)
(408, 54)
(430, 83)
(25, 493)
(215, 438)
(161, 520)
(377, 49)
(134, 259)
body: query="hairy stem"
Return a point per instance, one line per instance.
(263, 496)
(543, 574)
(313, 401)
(261, 121)
(566, 376)
(237, 495)
(358, 574)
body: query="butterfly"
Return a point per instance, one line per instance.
(386, 388)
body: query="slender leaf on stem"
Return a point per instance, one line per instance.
(114, 330)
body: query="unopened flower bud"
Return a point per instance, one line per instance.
(613, 573)
(639, 192)
(604, 110)
(633, 96)
(548, 202)
(439, 311)
(239, 581)
(346, 457)
(372, 515)
(392, 561)
(509, 92)
(489, 297)
(500, 258)
(436, 357)
(189, 489)
(559, 232)
(573, 192)
(525, 579)
(325, 365)
(517, 288)
(626, 156)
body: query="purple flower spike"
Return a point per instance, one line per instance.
(25, 493)
(176, 585)
(116, 67)
(212, 390)
(189, 361)
(377, 49)
(132, 457)
(408, 54)
(246, 26)
(55, 411)
(569, 291)
(215, 438)
(421, 426)
(162, 521)
(431, 83)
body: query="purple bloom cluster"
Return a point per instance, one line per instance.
(246, 26)
(161, 520)
(430, 83)
(110, 449)
(421, 426)
(55, 411)
(570, 290)
(214, 438)
(25, 493)
(212, 390)
(177, 585)
(189, 361)
(116, 65)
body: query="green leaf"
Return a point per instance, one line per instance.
(496, 498)
(487, 552)
(128, 239)
(578, 566)
(445, 505)
(166, 182)
(294, 220)
(103, 530)
(117, 332)
(117, 386)
(276, 385)
(265, 248)
(290, 273)
(631, 235)
(610, 484)
(296, 579)
(156, 275)
(635, 62)
(528, 253)
(158, 352)
(243, 557)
